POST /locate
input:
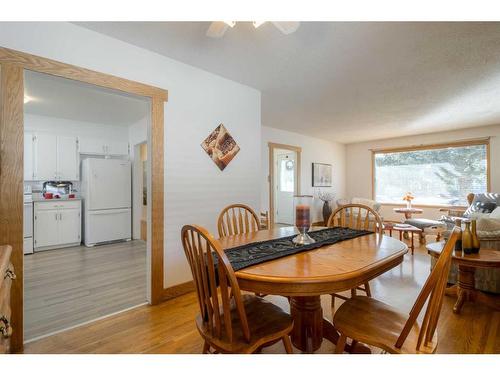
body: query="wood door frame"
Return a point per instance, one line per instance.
(13, 64)
(273, 146)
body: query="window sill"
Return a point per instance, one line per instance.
(424, 206)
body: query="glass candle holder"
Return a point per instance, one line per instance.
(302, 209)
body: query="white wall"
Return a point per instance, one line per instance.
(359, 173)
(195, 189)
(314, 150)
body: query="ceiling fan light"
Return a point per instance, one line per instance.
(230, 23)
(256, 24)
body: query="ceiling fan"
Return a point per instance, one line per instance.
(218, 29)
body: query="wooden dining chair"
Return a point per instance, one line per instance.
(366, 320)
(355, 216)
(237, 219)
(229, 322)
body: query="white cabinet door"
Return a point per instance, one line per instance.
(117, 148)
(69, 226)
(45, 157)
(46, 228)
(92, 146)
(28, 157)
(67, 159)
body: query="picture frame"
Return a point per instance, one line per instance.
(321, 175)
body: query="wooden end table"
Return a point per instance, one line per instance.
(408, 212)
(465, 289)
(409, 230)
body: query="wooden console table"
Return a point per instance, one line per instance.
(465, 289)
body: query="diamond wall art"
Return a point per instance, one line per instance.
(221, 147)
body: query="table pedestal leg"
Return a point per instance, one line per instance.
(466, 291)
(307, 334)
(465, 288)
(309, 326)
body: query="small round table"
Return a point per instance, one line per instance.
(408, 212)
(465, 289)
(407, 230)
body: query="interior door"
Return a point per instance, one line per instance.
(45, 156)
(69, 226)
(67, 158)
(285, 187)
(46, 228)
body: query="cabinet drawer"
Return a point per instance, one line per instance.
(56, 205)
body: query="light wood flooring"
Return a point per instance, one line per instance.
(66, 287)
(170, 328)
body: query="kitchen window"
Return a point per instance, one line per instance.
(440, 175)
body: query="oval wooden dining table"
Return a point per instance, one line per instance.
(305, 276)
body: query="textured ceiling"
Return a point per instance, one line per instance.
(63, 98)
(346, 82)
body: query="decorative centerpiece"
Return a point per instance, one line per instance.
(303, 205)
(408, 198)
(327, 209)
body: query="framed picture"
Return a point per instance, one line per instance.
(220, 146)
(321, 175)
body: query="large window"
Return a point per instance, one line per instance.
(435, 175)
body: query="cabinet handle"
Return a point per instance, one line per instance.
(56, 215)
(5, 328)
(10, 274)
(60, 216)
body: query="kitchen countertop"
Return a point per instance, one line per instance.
(42, 199)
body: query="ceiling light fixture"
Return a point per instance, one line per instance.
(27, 99)
(217, 29)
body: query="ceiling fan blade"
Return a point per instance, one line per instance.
(217, 29)
(287, 27)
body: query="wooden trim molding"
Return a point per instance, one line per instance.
(461, 143)
(11, 185)
(12, 66)
(56, 68)
(272, 146)
(178, 290)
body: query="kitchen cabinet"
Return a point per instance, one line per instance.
(99, 146)
(57, 224)
(45, 157)
(55, 157)
(117, 148)
(28, 156)
(67, 159)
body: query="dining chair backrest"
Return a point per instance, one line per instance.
(237, 219)
(215, 282)
(356, 216)
(433, 292)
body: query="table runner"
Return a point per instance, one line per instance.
(259, 252)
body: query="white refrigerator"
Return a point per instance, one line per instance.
(107, 200)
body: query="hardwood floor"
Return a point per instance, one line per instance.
(170, 327)
(66, 287)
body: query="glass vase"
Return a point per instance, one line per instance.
(302, 209)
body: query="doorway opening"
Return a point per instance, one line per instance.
(82, 257)
(284, 181)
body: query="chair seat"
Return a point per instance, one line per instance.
(375, 323)
(267, 322)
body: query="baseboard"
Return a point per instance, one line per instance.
(177, 290)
